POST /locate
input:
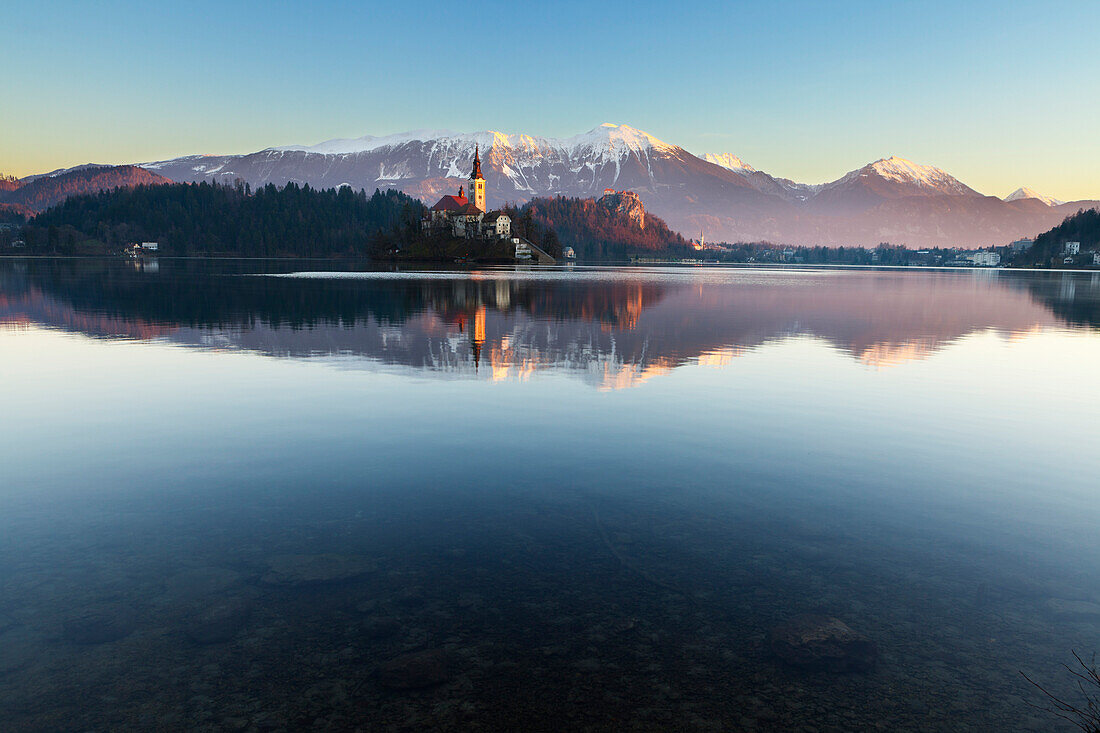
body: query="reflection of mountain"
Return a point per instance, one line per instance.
(614, 328)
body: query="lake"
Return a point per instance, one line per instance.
(262, 496)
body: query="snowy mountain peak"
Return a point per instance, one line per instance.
(1027, 193)
(366, 143)
(611, 139)
(902, 171)
(606, 141)
(729, 161)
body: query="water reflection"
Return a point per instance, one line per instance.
(236, 499)
(613, 328)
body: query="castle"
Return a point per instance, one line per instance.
(468, 218)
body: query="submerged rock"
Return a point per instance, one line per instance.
(100, 625)
(17, 649)
(219, 622)
(381, 627)
(823, 643)
(310, 569)
(201, 582)
(1072, 610)
(415, 671)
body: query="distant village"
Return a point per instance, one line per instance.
(1071, 255)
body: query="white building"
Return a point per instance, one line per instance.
(1021, 244)
(1096, 258)
(983, 258)
(1073, 248)
(496, 224)
(149, 246)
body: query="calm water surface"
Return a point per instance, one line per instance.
(233, 494)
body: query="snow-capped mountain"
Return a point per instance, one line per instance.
(891, 199)
(430, 163)
(730, 161)
(1021, 194)
(884, 180)
(925, 178)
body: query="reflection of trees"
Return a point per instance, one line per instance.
(195, 295)
(616, 330)
(1073, 296)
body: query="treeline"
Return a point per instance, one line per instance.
(539, 233)
(1083, 227)
(212, 219)
(884, 254)
(593, 231)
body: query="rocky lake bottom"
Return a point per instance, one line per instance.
(585, 613)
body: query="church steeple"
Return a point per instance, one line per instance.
(476, 172)
(477, 182)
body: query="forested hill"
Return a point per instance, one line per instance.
(1083, 227)
(39, 193)
(609, 228)
(204, 218)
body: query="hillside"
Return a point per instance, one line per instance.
(37, 193)
(1083, 227)
(611, 227)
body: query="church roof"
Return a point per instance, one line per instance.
(468, 209)
(450, 203)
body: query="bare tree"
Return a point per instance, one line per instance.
(1086, 718)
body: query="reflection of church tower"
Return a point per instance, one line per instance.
(477, 182)
(478, 335)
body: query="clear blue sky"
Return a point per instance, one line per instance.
(1001, 94)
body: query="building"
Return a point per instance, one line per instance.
(497, 223)
(983, 258)
(1072, 248)
(1021, 244)
(1096, 258)
(465, 215)
(149, 246)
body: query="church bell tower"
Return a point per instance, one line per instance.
(477, 183)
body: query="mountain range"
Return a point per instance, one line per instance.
(890, 200)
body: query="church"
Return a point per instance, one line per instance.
(466, 216)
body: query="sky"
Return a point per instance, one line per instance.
(999, 94)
